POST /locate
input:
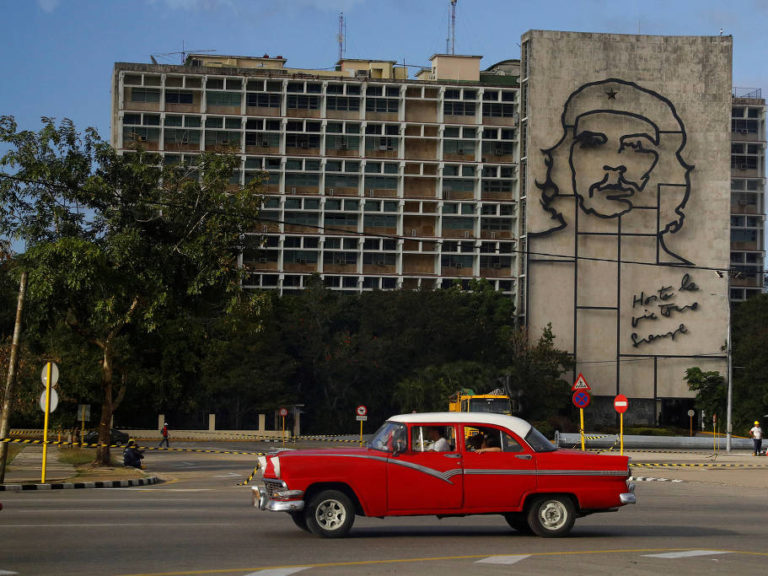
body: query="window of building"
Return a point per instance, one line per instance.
(145, 95)
(263, 100)
(342, 103)
(459, 108)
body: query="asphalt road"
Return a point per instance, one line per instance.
(200, 522)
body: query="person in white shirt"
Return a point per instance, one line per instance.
(440, 444)
(757, 437)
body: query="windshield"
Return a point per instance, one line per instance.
(538, 441)
(494, 405)
(387, 436)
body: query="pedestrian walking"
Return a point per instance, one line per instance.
(757, 438)
(164, 432)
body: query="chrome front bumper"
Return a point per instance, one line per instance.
(280, 501)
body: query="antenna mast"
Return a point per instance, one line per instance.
(341, 36)
(453, 27)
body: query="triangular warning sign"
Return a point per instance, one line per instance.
(580, 384)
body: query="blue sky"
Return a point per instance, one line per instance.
(58, 54)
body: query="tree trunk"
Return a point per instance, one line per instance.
(102, 452)
(12, 362)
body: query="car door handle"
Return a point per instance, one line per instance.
(452, 455)
(523, 456)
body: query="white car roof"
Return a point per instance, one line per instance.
(516, 425)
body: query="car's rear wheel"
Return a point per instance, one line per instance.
(518, 521)
(330, 514)
(300, 520)
(551, 516)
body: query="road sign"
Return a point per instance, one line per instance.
(283, 412)
(620, 403)
(691, 413)
(54, 400)
(54, 374)
(581, 398)
(84, 412)
(361, 410)
(362, 418)
(580, 384)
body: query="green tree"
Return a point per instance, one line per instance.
(117, 243)
(535, 374)
(711, 392)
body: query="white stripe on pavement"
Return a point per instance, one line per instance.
(687, 554)
(503, 559)
(276, 572)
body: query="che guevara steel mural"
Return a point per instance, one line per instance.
(615, 192)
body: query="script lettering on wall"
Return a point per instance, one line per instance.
(650, 310)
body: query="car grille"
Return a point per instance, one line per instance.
(273, 486)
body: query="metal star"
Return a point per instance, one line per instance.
(611, 94)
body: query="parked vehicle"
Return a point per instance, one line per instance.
(445, 464)
(465, 400)
(115, 437)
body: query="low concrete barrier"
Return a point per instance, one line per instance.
(595, 440)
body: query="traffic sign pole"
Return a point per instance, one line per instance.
(48, 371)
(621, 432)
(581, 428)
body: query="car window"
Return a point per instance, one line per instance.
(538, 441)
(391, 435)
(432, 438)
(489, 439)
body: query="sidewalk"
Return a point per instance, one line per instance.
(25, 473)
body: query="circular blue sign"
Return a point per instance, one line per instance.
(581, 398)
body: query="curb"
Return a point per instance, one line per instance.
(72, 485)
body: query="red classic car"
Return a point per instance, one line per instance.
(446, 464)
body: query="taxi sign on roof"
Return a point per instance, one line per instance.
(580, 384)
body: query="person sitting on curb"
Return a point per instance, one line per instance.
(132, 455)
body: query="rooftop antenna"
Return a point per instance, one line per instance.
(340, 37)
(453, 27)
(183, 53)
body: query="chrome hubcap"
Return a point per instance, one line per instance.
(553, 515)
(330, 514)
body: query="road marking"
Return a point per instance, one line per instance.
(687, 554)
(501, 559)
(7, 573)
(391, 561)
(276, 572)
(652, 479)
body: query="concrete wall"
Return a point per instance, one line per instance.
(627, 162)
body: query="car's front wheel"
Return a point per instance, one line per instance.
(330, 514)
(551, 516)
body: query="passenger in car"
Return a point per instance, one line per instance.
(439, 444)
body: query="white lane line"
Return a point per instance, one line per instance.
(276, 572)
(7, 573)
(687, 554)
(503, 559)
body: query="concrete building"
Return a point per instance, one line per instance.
(374, 180)
(379, 179)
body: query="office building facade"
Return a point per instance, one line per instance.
(379, 179)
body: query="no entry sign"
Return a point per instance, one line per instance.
(620, 403)
(581, 398)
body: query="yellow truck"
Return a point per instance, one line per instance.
(465, 400)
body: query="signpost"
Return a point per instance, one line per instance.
(283, 413)
(691, 414)
(620, 403)
(581, 399)
(49, 376)
(361, 412)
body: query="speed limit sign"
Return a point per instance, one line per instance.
(283, 412)
(362, 410)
